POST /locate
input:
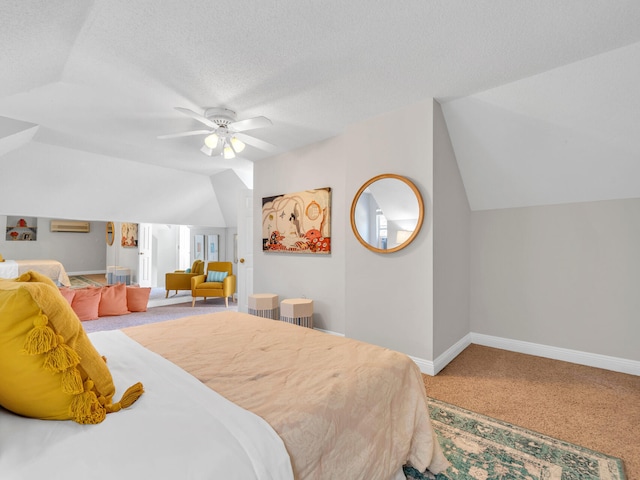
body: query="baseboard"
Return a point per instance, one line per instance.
(605, 362)
(426, 366)
(432, 368)
(88, 272)
(615, 364)
(330, 332)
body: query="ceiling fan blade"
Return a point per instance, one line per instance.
(197, 116)
(250, 124)
(183, 134)
(256, 142)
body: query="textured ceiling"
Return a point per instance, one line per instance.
(541, 98)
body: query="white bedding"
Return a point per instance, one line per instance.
(178, 429)
(9, 269)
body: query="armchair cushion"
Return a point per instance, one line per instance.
(215, 276)
(181, 280)
(218, 282)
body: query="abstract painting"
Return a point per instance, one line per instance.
(129, 235)
(297, 222)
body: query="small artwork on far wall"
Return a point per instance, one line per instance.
(297, 222)
(198, 247)
(129, 235)
(23, 229)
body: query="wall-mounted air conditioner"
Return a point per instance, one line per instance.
(70, 226)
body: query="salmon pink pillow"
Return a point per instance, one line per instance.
(138, 298)
(113, 301)
(68, 294)
(85, 303)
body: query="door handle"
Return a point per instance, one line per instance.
(242, 260)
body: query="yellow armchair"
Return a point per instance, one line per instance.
(180, 279)
(202, 287)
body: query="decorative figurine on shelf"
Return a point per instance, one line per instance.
(14, 235)
(22, 223)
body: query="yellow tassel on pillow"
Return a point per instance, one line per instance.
(71, 381)
(41, 338)
(85, 408)
(61, 357)
(130, 396)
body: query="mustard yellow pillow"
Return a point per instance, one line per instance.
(48, 367)
(1, 259)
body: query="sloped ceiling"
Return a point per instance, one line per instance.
(540, 97)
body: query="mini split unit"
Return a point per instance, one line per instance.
(70, 226)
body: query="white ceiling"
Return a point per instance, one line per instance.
(540, 98)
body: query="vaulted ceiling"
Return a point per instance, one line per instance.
(540, 98)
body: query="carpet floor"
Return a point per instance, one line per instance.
(168, 311)
(594, 408)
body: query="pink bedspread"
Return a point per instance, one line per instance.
(344, 409)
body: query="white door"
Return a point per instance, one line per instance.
(245, 249)
(145, 254)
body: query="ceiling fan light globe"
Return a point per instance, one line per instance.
(237, 145)
(212, 141)
(228, 153)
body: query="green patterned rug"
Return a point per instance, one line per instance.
(484, 448)
(79, 281)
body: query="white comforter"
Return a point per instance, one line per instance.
(9, 269)
(179, 429)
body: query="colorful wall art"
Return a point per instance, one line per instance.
(129, 235)
(297, 222)
(22, 229)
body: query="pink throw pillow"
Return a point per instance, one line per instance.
(138, 298)
(113, 300)
(68, 294)
(85, 303)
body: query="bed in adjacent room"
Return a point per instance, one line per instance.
(226, 395)
(50, 268)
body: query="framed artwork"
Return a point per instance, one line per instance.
(198, 247)
(212, 248)
(22, 229)
(297, 222)
(129, 235)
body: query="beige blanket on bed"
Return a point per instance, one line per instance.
(344, 409)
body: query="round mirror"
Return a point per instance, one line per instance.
(109, 233)
(387, 213)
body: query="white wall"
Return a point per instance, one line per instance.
(451, 243)
(384, 299)
(564, 276)
(78, 252)
(389, 297)
(319, 277)
(65, 183)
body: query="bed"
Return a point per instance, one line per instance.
(51, 268)
(285, 402)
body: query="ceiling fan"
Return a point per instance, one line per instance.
(225, 135)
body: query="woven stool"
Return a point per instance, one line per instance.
(298, 311)
(264, 305)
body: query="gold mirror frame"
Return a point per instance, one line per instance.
(416, 230)
(109, 233)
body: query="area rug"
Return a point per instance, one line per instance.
(158, 314)
(79, 281)
(484, 448)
